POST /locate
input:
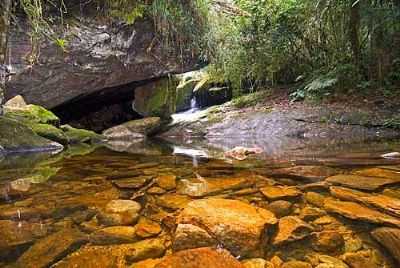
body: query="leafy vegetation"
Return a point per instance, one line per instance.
(330, 44)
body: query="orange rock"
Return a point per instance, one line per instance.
(200, 258)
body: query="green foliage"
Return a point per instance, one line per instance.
(392, 123)
(251, 99)
(318, 39)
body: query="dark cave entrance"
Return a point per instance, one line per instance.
(100, 110)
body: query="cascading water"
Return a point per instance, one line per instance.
(193, 107)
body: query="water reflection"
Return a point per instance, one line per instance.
(53, 206)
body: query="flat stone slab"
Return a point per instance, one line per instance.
(362, 182)
(384, 203)
(290, 229)
(114, 256)
(200, 187)
(51, 249)
(389, 238)
(280, 192)
(359, 212)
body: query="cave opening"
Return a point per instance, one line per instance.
(102, 109)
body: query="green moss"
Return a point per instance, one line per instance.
(16, 137)
(76, 135)
(34, 113)
(250, 100)
(42, 175)
(50, 132)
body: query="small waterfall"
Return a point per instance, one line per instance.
(193, 107)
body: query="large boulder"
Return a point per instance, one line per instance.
(156, 98)
(243, 232)
(16, 137)
(136, 129)
(98, 54)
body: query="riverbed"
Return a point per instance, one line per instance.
(161, 204)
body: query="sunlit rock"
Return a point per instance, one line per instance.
(362, 182)
(328, 242)
(389, 238)
(359, 212)
(244, 225)
(114, 255)
(280, 192)
(280, 208)
(296, 264)
(362, 259)
(15, 233)
(291, 229)
(120, 212)
(200, 258)
(188, 236)
(52, 248)
(199, 187)
(114, 235)
(146, 228)
(136, 129)
(382, 202)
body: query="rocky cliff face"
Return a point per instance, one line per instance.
(98, 55)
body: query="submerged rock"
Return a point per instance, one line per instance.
(356, 211)
(136, 129)
(362, 259)
(243, 229)
(255, 263)
(120, 212)
(19, 233)
(328, 242)
(389, 238)
(296, 264)
(291, 229)
(200, 187)
(200, 258)
(114, 235)
(114, 256)
(189, 236)
(51, 249)
(146, 228)
(382, 202)
(362, 182)
(280, 192)
(280, 208)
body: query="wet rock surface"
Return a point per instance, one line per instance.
(98, 208)
(200, 258)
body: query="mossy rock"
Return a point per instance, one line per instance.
(33, 113)
(50, 132)
(156, 99)
(17, 137)
(76, 135)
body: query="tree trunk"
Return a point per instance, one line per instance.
(354, 30)
(5, 9)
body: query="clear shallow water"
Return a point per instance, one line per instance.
(41, 196)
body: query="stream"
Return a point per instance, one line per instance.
(97, 207)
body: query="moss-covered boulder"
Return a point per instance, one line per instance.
(50, 132)
(17, 137)
(32, 113)
(76, 135)
(156, 99)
